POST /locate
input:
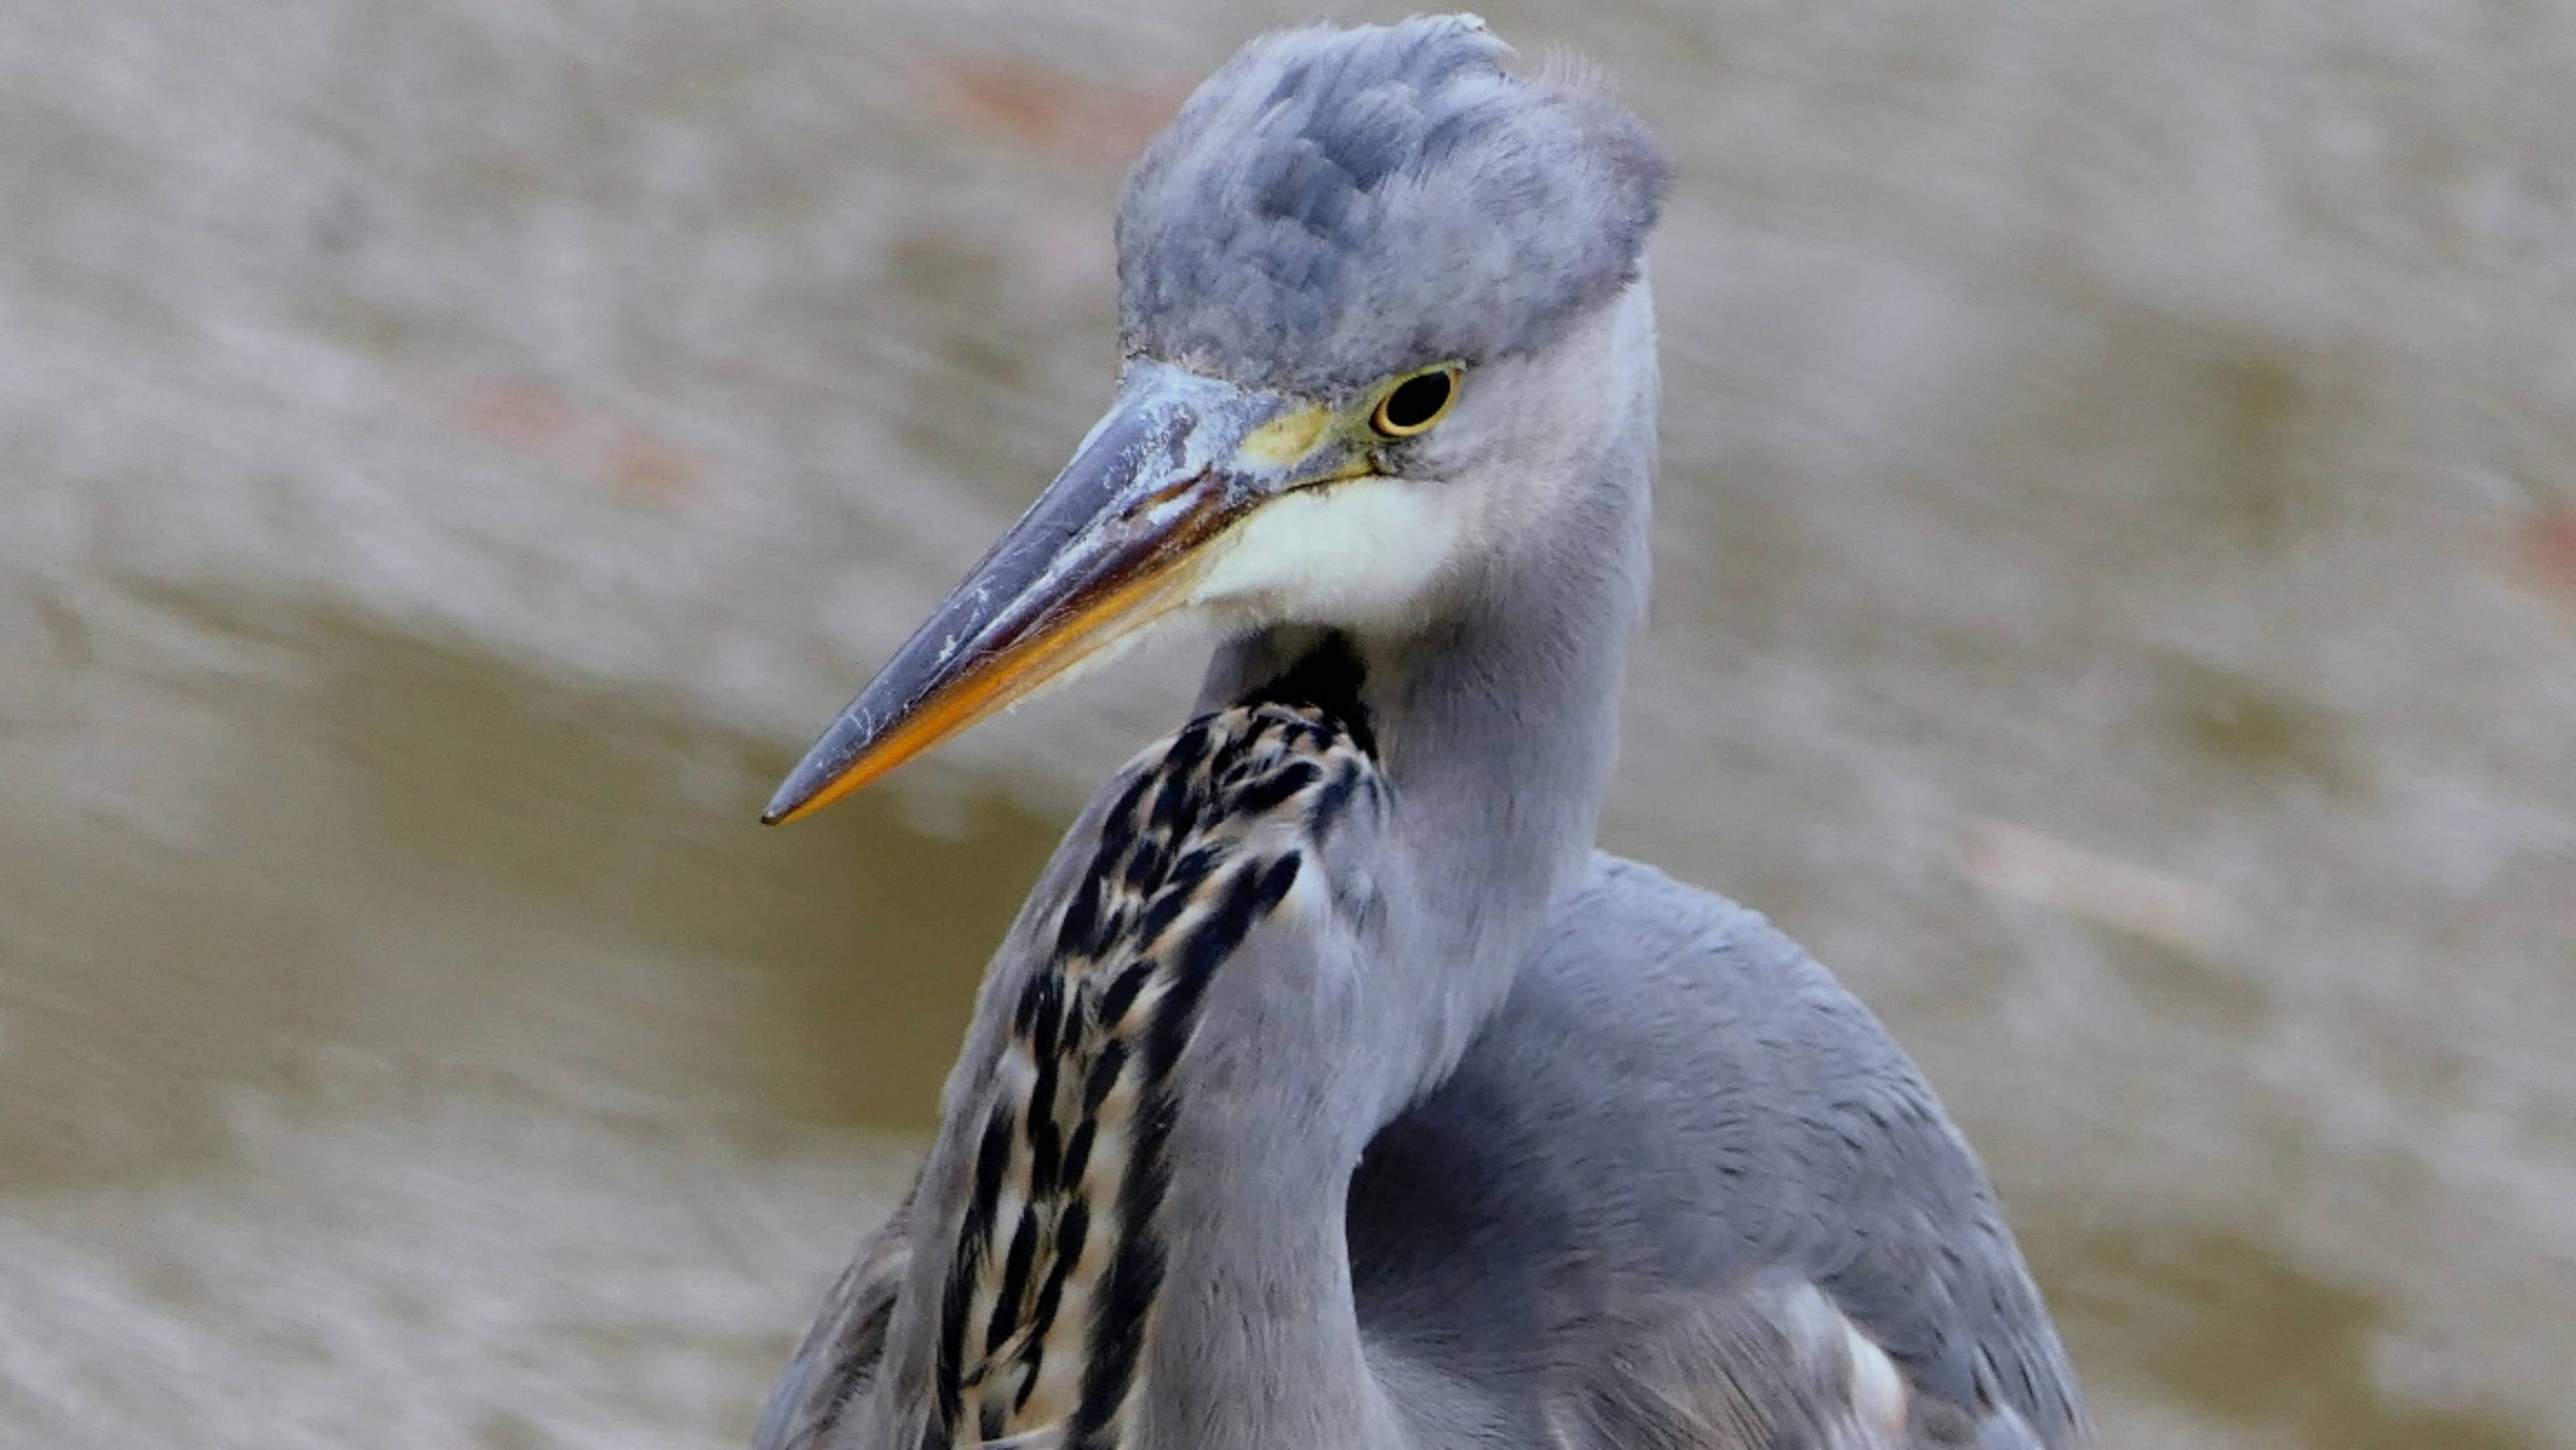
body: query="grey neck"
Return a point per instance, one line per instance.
(1494, 731)
(1495, 726)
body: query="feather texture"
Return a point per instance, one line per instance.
(1058, 1256)
(1629, 1226)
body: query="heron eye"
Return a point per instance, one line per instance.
(1415, 404)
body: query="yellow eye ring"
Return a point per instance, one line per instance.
(1412, 406)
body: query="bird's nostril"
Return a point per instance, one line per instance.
(1164, 495)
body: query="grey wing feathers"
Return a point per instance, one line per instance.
(1843, 1172)
(1786, 1243)
(1679, 1149)
(839, 1359)
(1773, 1366)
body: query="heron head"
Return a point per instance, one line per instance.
(1372, 287)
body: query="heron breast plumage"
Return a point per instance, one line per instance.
(1057, 1258)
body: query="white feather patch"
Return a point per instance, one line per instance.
(1878, 1391)
(1358, 553)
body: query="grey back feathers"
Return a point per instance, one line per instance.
(1334, 205)
(1741, 1211)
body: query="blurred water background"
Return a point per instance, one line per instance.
(2116, 604)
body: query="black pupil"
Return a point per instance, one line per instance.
(1416, 401)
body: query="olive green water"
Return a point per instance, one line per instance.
(2117, 604)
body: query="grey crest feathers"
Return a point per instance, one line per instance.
(1335, 205)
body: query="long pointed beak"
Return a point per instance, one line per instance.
(1111, 545)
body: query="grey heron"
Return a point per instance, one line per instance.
(1333, 1091)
